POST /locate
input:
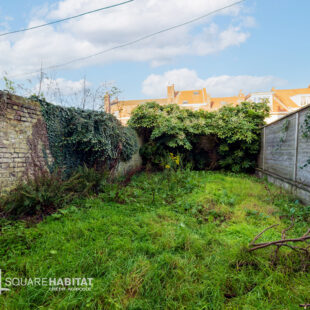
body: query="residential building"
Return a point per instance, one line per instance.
(188, 99)
(281, 102)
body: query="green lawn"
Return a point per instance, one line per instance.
(163, 242)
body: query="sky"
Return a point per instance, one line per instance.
(253, 46)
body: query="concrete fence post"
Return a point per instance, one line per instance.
(296, 147)
(264, 147)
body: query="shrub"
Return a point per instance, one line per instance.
(42, 195)
(86, 181)
(238, 130)
(83, 137)
(46, 193)
(169, 129)
(229, 138)
(130, 143)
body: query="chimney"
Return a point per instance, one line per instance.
(241, 94)
(170, 93)
(206, 96)
(107, 103)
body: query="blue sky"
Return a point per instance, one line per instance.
(254, 46)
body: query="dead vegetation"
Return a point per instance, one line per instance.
(303, 248)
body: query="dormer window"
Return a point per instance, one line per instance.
(305, 100)
(301, 100)
(196, 92)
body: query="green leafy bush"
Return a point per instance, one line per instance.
(238, 130)
(169, 129)
(228, 138)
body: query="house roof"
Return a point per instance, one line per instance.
(217, 103)
(137, 102)
(284, 95)
(192, 96)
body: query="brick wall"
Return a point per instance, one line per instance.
(24, 147)
(23, 139)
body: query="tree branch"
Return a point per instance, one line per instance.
(260, 234)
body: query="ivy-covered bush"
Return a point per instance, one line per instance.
(228, 138)
(83, 137)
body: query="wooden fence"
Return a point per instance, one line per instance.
(285, 152)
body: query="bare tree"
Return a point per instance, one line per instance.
(50, 88)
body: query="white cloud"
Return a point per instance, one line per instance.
(219, 86)
(96, 32)
(249, 21)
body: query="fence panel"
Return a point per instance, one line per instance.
(285, 152)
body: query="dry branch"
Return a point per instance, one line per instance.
(260, 234)
(278, 242)
(304, 251)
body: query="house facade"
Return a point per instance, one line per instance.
(281, 102)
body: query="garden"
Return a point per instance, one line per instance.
(193, 229)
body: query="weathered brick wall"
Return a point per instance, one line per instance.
(23, 139)
(24, 147)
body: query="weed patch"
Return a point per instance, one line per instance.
(161, 241)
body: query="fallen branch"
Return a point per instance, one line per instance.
(260, 234)
(284, 242)
(279, 242)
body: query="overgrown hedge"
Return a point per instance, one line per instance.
(82, 137)
(228, 138)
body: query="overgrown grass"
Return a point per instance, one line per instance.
(166, 241)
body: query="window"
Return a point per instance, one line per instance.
(305, 100)
(223, 102)
(196, 92)
(262, 99)
(185, 102)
